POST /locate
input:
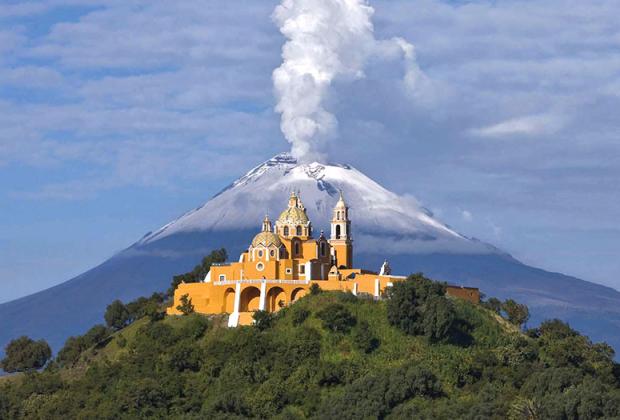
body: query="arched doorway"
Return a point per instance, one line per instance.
(229, 301)
(250, 299)
(276, 299)
(298, 294)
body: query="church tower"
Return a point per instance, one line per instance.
(340, 239)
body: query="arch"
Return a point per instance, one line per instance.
(285, 230)
(250, 299)
(276, 299)
(298, 294)
(228, 304)
(337, 231)
(298, 231)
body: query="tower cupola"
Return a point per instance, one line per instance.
(340, 238)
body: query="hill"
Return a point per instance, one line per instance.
(385, 225)
(314, 361)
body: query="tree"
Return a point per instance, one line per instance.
(437, 318)
(363, 338)
(299, 315)
(315, 289)
(24, 354)
(262, 320)
(186, 307)
(494, 304)
(200, 271)
(337, 318)
(418, 307)
(116, 315)
(517, 313)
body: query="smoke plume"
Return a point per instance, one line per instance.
(327, 40)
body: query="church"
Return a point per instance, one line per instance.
(283, 261)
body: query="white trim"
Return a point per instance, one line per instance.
(258, 281)
(377, 287)
(355, 289)
(308, 268)
(263, 296)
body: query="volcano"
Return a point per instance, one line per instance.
(384, 226)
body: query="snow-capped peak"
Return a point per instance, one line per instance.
(377, 214)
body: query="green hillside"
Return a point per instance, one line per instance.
(330, 355)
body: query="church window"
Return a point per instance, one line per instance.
(338, 232)
(285, 230)
(322, 249)
(298, 231)
(302, 269)
(296, 248)
(260, 254)
(272, 253)
(260, 266)
(289, 271)
(222, 277)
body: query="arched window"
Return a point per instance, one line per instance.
(296, 248)
(338, 215)
(260, 254)
(337, 231)
(322, 249)
(285, 230)
(298, 231)
(272, 253)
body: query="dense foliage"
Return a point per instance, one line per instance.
(24, 354)
(330, 355)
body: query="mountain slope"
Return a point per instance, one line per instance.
(385, 225)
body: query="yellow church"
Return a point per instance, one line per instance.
(281, 264)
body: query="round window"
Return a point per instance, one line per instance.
(260, 267)
(272, 253)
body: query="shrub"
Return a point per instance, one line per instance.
(24, 354)
(337, 318)
(262, 320)
(185, 307)
(315, 289)
(364, 339)
(299, 315)
(418, 307)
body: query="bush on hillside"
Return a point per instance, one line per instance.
(185, 306)
(75, 346)
(24, 354)
(363, 338)
(418, 307)
(337, 318)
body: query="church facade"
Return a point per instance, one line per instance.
(282, 262)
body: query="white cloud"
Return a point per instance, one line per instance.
(467, 216)
(528, 126)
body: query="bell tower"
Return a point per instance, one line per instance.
(340, 239)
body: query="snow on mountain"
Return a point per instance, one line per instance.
(397, 223)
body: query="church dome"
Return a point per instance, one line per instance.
(294, 215)
(266, 239)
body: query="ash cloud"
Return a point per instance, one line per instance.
(327, 41)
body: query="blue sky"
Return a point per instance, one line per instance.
(118, 115)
